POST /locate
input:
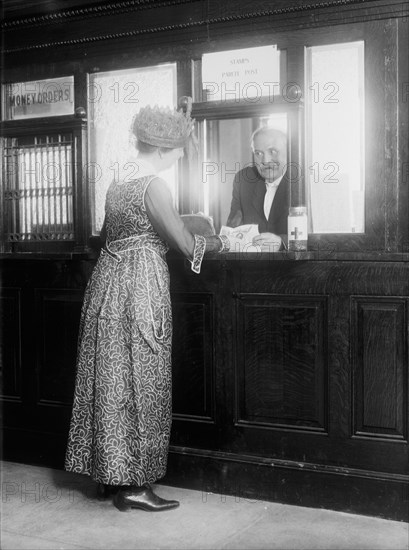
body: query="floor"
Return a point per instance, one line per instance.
(51, 509)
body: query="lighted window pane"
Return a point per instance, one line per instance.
(335, 138)
(114, 99)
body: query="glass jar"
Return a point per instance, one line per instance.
(297, 228)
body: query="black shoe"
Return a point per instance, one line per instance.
(142, 498)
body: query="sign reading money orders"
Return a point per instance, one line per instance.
(38, 98)
(248, 74)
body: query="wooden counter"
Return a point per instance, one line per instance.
(290, 373)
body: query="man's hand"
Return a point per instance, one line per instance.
(269, 242)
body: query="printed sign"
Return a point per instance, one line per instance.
(38, 98)
(248, 74)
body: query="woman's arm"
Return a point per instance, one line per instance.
(167, 222)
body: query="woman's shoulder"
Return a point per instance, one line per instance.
(155, 185)
(139, 182)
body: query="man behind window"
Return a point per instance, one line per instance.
(261, 192)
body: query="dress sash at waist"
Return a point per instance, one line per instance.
(144, 241)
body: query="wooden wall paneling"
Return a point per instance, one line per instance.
(380, 368)
(359, 474)
(254, 18)
(339, 372)
(10, 344)
(194, 354)
(192, 357)
(57, 336)
(36, 427)
(375, 131)
(338, 280)
(392, 153)
(13, 9)
(331, 417)
(299, 484)
(90, 32)
(282, 361)
(403, 130)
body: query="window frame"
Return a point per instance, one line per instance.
(381, 205)
(385, 231)
(42, 126)
(386, 195)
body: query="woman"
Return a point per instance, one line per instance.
(121, 419)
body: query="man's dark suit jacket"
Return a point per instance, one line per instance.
(247, 205)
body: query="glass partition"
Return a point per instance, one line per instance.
(335, 138)
(114, 98)
(226, 149)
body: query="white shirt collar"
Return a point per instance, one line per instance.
(274, 183)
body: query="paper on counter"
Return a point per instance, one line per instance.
(241, 237)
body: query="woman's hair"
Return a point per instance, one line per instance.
(148, 149)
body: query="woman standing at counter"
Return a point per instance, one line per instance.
(121, 418)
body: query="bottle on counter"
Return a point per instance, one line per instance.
(297, 228)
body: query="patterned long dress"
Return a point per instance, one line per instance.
(121, 419)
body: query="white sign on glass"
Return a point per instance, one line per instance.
(39, 98)
(249, 74)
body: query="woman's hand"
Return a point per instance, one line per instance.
(269, 242)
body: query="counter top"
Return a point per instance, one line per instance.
(313, 255)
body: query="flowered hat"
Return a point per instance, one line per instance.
(163, 127)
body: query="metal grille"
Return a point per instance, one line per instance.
(38, 188)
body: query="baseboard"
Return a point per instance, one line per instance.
(348, 490)
(239, 476)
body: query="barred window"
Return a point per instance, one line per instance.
(38, 188)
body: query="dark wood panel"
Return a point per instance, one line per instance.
(192, 356)
(281, 361)
(87, 33)
(57, 336)
(333, 277)
(380, 367)
(252, 417)
(303, 303)
(342, 489)
(392, 152)
(16, 8)
(10, 343)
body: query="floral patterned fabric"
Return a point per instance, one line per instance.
(121, 418)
